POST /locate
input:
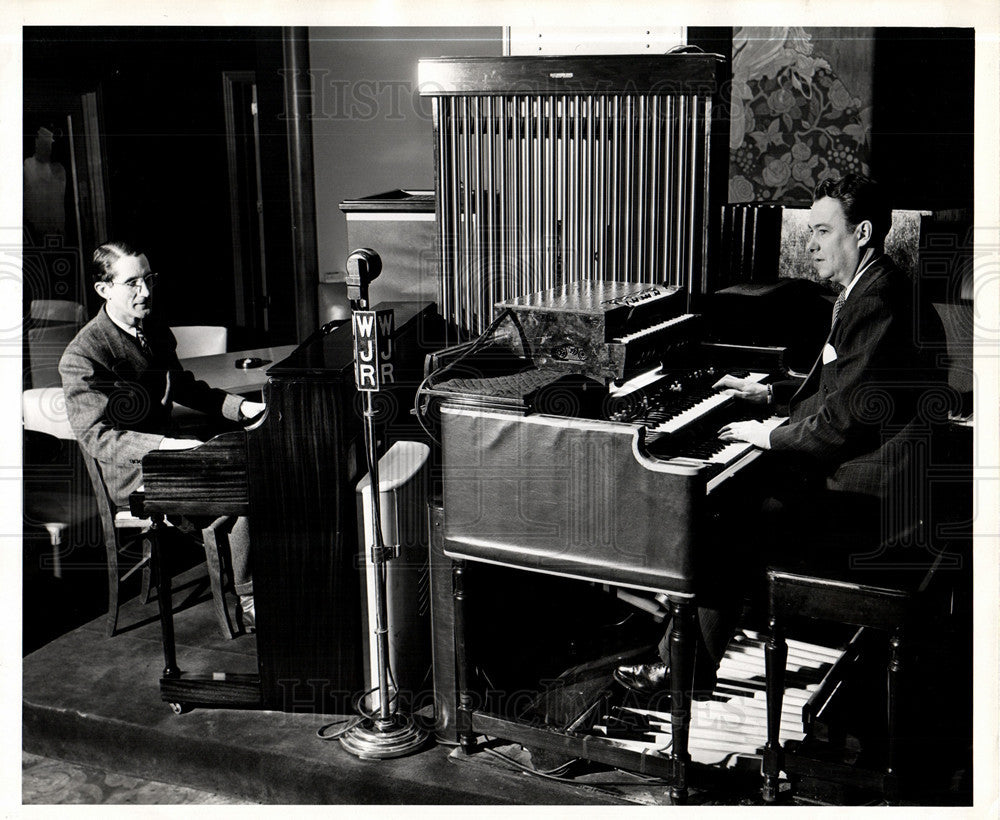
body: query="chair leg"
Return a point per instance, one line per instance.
(111, 547)
(55, 530)
(775, 657)
(210, 539)
(147, 572)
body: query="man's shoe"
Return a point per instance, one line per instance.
(247, 615)
(644, 678)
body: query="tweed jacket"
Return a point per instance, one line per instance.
(875, 380)
(119, 399)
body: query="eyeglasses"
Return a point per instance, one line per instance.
(149, 280)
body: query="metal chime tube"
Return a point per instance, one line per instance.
(487, 231)
(443, 190)
(614, 167)
(549, 171)
(476, 268)
(680, 222)
(502, 236)
(587, 188)
(705, 204)
(464, 234)
(692, 204)
(627, 204)
(538, 191)
(562, 205)
(655, 164)
(524, 138)
(538, 188)
(573, 131)
(454, 212)
(666, 213)
(600, 168)
(642, 193)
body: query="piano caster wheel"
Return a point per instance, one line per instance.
(179, 708)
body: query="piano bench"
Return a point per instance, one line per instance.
(861, 598)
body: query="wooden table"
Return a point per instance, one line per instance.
(220, 370)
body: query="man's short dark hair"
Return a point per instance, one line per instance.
(861, 198)
(106, 255)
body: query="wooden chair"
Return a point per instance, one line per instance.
(58, 310)
(200, 340)
(53, 324)
(125, 535)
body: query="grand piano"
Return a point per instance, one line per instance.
(294, 472)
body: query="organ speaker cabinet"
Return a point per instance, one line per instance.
(403, 480)
(400, 226)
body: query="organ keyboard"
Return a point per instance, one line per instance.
(573, 474)
(573, 207)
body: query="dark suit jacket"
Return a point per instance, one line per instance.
(848, 414)
(119, 399)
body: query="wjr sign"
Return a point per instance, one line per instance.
(373, 349)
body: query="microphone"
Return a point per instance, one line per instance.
(363, 267)
(389, 733)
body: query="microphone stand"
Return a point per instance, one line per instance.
(390, 733)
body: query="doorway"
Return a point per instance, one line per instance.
(246, 207)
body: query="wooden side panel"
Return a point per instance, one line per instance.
(304, 466)
(208, 480)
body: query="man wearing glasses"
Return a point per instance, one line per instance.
(121, 377)
(874, 386)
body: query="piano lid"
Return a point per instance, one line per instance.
(331, 355)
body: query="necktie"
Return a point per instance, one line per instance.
(143, 341)
(836, 308)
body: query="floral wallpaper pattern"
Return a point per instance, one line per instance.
(794, 120)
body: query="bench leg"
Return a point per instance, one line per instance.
(775, 657)
(681, 683)
(894, 674)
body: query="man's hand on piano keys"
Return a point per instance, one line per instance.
(251, 409)
(178, 443)
(745, 389)
(752, 432)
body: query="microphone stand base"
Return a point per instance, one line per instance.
(377, 739)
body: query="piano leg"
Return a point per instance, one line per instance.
(163, 595)
(893, 703)
(466, 734)
(775, 657)
(681, 683)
